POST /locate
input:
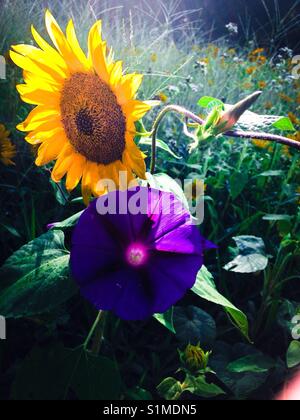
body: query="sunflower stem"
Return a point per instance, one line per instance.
(252, 135)
(100, 316)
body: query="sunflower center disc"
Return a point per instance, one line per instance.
(93, 119)
(136, 255)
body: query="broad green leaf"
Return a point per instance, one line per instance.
(200, 387)
(251, 258)
(293, 354)
(61, 193)
(67, 223)
(193, 326)
(166, 319)
(36, 277)
(95, 377)
(210, 102)
(238, 182)
(206, 289)
(54, 372)
(255, 363)
(284, 124)
(160, 144)
(170, 389)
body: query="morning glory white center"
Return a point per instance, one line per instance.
(136, 255)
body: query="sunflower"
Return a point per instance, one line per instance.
(7, 149)
(86, 108)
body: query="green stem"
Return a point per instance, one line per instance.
(93, 329)
(99, 332)
(233, 133)
(170, 108)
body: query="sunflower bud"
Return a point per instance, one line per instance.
(231, 116)
(195, 358)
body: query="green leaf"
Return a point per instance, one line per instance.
(238, 182)
(67, 223)
(36, 277)
(277, 217)
(51, 373)
(284, 124)
(200, 387)
(251, 258)
(170, 389)
(11, 230)
(293, 354)
(166, 319)
(138, 394)
(272, 173)
(194, 326)
(255, 363)
(95, 377)
(160, 144)
(206, 289)
(61, 193)
(210, 102)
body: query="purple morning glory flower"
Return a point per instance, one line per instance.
(136, 252)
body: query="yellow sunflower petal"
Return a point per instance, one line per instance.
(97, 52)
(29, 88)
(95, 37)
(48, 125)
(49, 150)
(134, 158)
(63, 163)
(128, 87)
(61, 43)
(74, 44)
(75, 172)
(37, 116)
(136, 109)
(39, 96)
(29, 65)
(116, 73)
(40, 58)
(36, 136)
(87, 180)
(49, 50)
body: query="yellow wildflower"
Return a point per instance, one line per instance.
(7, 149)
(262, 84)
(153, 57)
(251, 70)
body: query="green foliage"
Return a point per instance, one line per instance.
(251, 256)
(293, 354)
(56, 373)
(257, 363)
(166, 319)
(36, 277)
(206, 289)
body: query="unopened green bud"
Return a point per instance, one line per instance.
(195, 358)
